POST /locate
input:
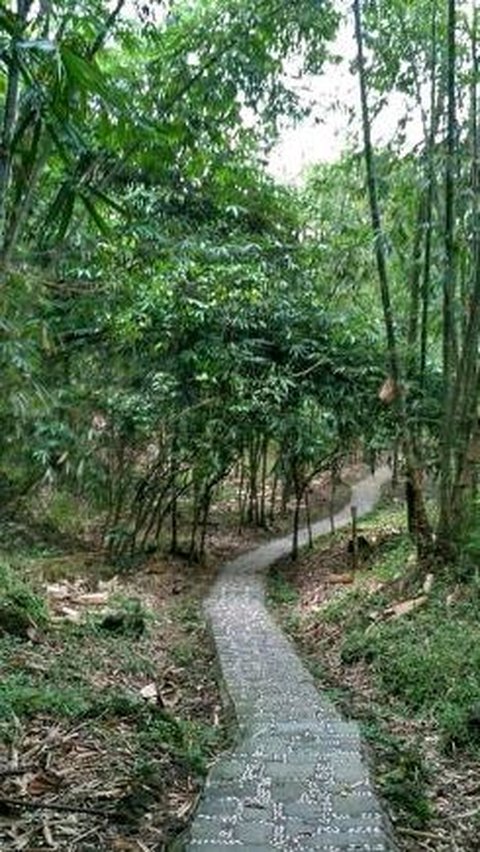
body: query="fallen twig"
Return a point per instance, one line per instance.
(468, 814)
(20, 770)
(413, 832)
(30, 805)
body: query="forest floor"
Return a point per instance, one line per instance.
(405, 662)
(111, 702)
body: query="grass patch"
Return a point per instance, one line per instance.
(402, 774)
(281, 590)
(22, 609)
(430, 664)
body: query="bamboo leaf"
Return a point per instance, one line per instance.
(94, 213)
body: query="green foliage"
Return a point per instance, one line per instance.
(59, 680)
(184, 654)
(65, 513)
(431, 665)
(188, 614)
(123, 224)
(402, 774)
(280, 591)
(19, 699)
(190, 742)
(424, 666)
(21, 608)
(428, 661)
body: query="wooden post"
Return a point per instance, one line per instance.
(331, 500)
(309, 519)
(354, 512)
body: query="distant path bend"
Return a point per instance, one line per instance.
(297, 780)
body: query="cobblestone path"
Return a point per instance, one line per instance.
(296, 780)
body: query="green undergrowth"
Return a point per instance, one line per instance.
(56, 675)
(423, 667)
(22, 609)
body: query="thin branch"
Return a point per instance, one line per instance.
(103, 34)
(79, 809)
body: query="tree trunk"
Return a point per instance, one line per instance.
(241, 495)
(206, 502)
(422, 525)
(10, 115)
(296, 527)
(263, 484)
(333, 489)
(273, 495)
(467, 389)
(309, 519)
(253, 462)
(446, 533)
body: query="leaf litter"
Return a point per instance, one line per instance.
(124, 768)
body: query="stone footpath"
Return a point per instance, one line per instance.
(296, 780)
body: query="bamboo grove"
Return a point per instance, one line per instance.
(176, 325)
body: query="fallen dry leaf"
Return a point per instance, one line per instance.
(59, 591)
(67, 613)
(428, 584)
(42, 782)
(47, 833)
(454, 596)
(109, 585)
(405, 607)
(93, 599)
(340, 579)
(123, 844)
(150, 693)
(374, 586)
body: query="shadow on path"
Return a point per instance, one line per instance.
(296, 780)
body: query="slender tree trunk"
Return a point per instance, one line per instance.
(428, 223)
(174, 525)
(253, 461)
(156, 513)
(395, 464)
(194, 528)
(309, 519)
(206, 503)
(449, 346)
(18, 217)
(415, 290)
(466, 392)
(422, 524)
(273, 495)
(263, 484)
(380, 253)
(241, 497)
(10, 116)
(427, 264)
(174, 499)
(296, 526)
(331, 501)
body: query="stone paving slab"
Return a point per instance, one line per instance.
(297, 779)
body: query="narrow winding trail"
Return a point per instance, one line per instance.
(296, 780)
